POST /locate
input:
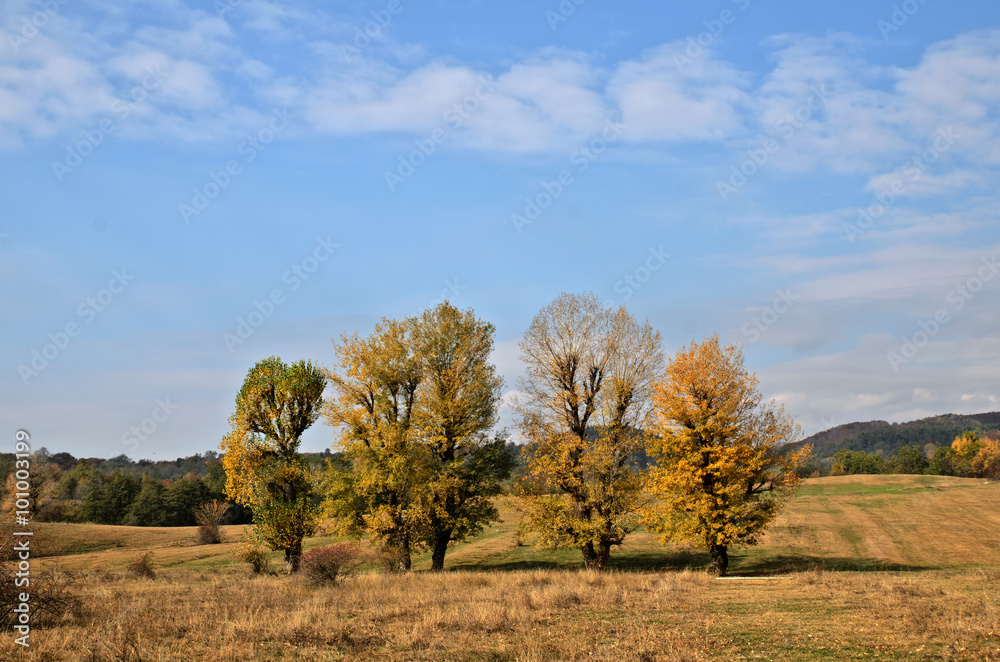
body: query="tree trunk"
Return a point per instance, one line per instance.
(595, 558)
(292, 556)
(405, 562)
(719, 560)
(441, 541)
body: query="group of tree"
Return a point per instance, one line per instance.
(88, 492)
(970, 455)
(907, 460)
(615, 438)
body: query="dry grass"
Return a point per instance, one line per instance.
(536, 615)
(940, 602)
(529, 616)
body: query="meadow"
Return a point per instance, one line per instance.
(856, 567)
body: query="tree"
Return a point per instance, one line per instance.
(909, 460)
(264, 469)
(373, 491)
(457, 404)
(585, 405)
(848, 462)
(40, 485)
(943, 462)
(150, 506)
(986, 463)
(722, 468)
(413, 404)
(122, 490)
(181, 497)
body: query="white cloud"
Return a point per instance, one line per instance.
(659, 102)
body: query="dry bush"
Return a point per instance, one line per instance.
(209, 517)
(142, 566)
(331, 564)
(52, 594)
(251, 550)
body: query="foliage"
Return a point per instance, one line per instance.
(264, 470)
(42, 489)
(723, 471)
(181, 497)
(907, 460)
(209, 516)
(589, 372)
(457, 404)
(875, 436)
(969, 455)
(413, 403)
(149, 507)
(331, 564)
(848, 462)
(251, 550)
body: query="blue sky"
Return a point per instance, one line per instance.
(192, 188)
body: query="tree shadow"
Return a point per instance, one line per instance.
(752, 565)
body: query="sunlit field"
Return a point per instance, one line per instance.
(859, 567)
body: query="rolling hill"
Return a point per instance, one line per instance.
(873, 436)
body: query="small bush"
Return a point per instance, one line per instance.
(209, 516)
(52, 592)
(330, 564)
(252, 551)
(142, 566)
(389, 559)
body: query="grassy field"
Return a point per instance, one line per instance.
(859, 567)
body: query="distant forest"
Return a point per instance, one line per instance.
(121, 490)
(885, 439)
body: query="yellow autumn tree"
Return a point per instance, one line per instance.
(413, 404)
(722, 466)
(584, 405)
(374, 387)
(264, 469)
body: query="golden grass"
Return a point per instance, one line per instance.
(531, 616)
(943, 532)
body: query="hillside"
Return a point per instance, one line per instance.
(873, 436)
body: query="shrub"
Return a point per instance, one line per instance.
(142, 566)
(252, 551)
(330, 564)
(209, 517)
(52, 592)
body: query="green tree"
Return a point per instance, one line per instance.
(182, 496)
(457, 404)
(585, 404)
(264, 469)
(122, 490)
(95, 506)
(150, 505)
(942, 464)
(908, 460)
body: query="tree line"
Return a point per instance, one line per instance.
(970, 455)
(617, 436)
(118, 491)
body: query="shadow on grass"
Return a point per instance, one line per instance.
(752, 565)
